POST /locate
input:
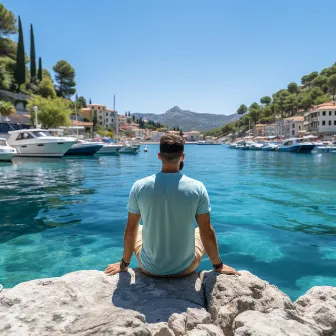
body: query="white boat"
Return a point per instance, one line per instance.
(256, 146)
(129, 149)
(329, 148)
(203, 142)
(39, 143)
(270, 147)
(297, 146)
(6, 152)
(109, 148)
(146, 149)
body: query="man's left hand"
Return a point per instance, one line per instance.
(112, 269)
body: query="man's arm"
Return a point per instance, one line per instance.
(208, 237)
(130, 235)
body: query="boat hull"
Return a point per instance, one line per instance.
(297, 148)
(6, 157)
(128, 150)
(83, 149)
(47, 149)
(108, 150)
(326, 150)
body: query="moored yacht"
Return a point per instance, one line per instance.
(39, 143)
(297, 146)
(84, 148)
(6, 152)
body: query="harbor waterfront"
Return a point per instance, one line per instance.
(274, 213)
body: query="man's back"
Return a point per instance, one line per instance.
(168, 204)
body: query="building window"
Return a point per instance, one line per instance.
(324, 113)
(293, 132)
(323, 122)
(329, 122)
(299, 127)
(106, 120)
(334, 122)
(98, 107)
(293, 126)
(100, 117)
(330, 113)
(112, 120)
(101, 123)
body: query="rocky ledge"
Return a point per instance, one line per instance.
(91, 303)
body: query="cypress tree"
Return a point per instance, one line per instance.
(39, 73)
(32, 56)
(90, 101)
(20, 69)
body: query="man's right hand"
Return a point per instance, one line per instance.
(225, 269)
(113, 269)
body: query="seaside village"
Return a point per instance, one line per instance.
(97, 129)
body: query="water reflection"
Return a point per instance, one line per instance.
(32, 188)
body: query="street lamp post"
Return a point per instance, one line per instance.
(35, 109)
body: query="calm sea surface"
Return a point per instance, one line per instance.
(274, 213)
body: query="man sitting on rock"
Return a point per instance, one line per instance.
(167, 244)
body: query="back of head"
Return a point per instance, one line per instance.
(171, 147)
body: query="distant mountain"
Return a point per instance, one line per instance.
(188, 120)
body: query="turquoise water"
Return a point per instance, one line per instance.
(274, 213)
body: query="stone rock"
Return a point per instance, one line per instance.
(275, 323)
(161, 329)
(177, 323)
(228, 296)
(85, 302)
(196, 316)
(318, 306)
(132, 304)
(210, 329)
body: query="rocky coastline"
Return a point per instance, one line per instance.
(208, 304)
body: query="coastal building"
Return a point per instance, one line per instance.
(105, 117)
(124, 120)
(289, 127)
(259, 130)
(193, 136)
(270, 130)
(139, 133)
(321, 121)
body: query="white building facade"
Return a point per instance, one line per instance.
(290, 127)
(321, 121)
(107, 118)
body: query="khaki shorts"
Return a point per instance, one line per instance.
(199, 252)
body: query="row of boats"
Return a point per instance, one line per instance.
(296, 145)
(41, 143)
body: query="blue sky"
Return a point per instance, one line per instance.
(206, 56)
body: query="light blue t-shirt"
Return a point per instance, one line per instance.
(168, 203)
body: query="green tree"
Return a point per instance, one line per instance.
(305, 101)
(242, 109)
(307, 80)
(20, 70)
(293, 88)
(5, 78)
(40, 71)
(254, 114)
(254, 106)
(46, 88)
(90, 101)
(321, 81)
(332, 85)
(7, 21)
(6, 108)
(266, 100)
(65, 78)
(81, 102)
(51, 112)
(32, 56)
(94, 120)
(291, 104)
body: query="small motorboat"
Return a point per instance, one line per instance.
(146, 149)
(84, 148)
(297, 146)
(6, 152)
(129, 149)
(270, 147)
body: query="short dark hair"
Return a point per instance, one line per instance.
(171, 147)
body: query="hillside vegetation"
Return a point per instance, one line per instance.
(316, 88)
